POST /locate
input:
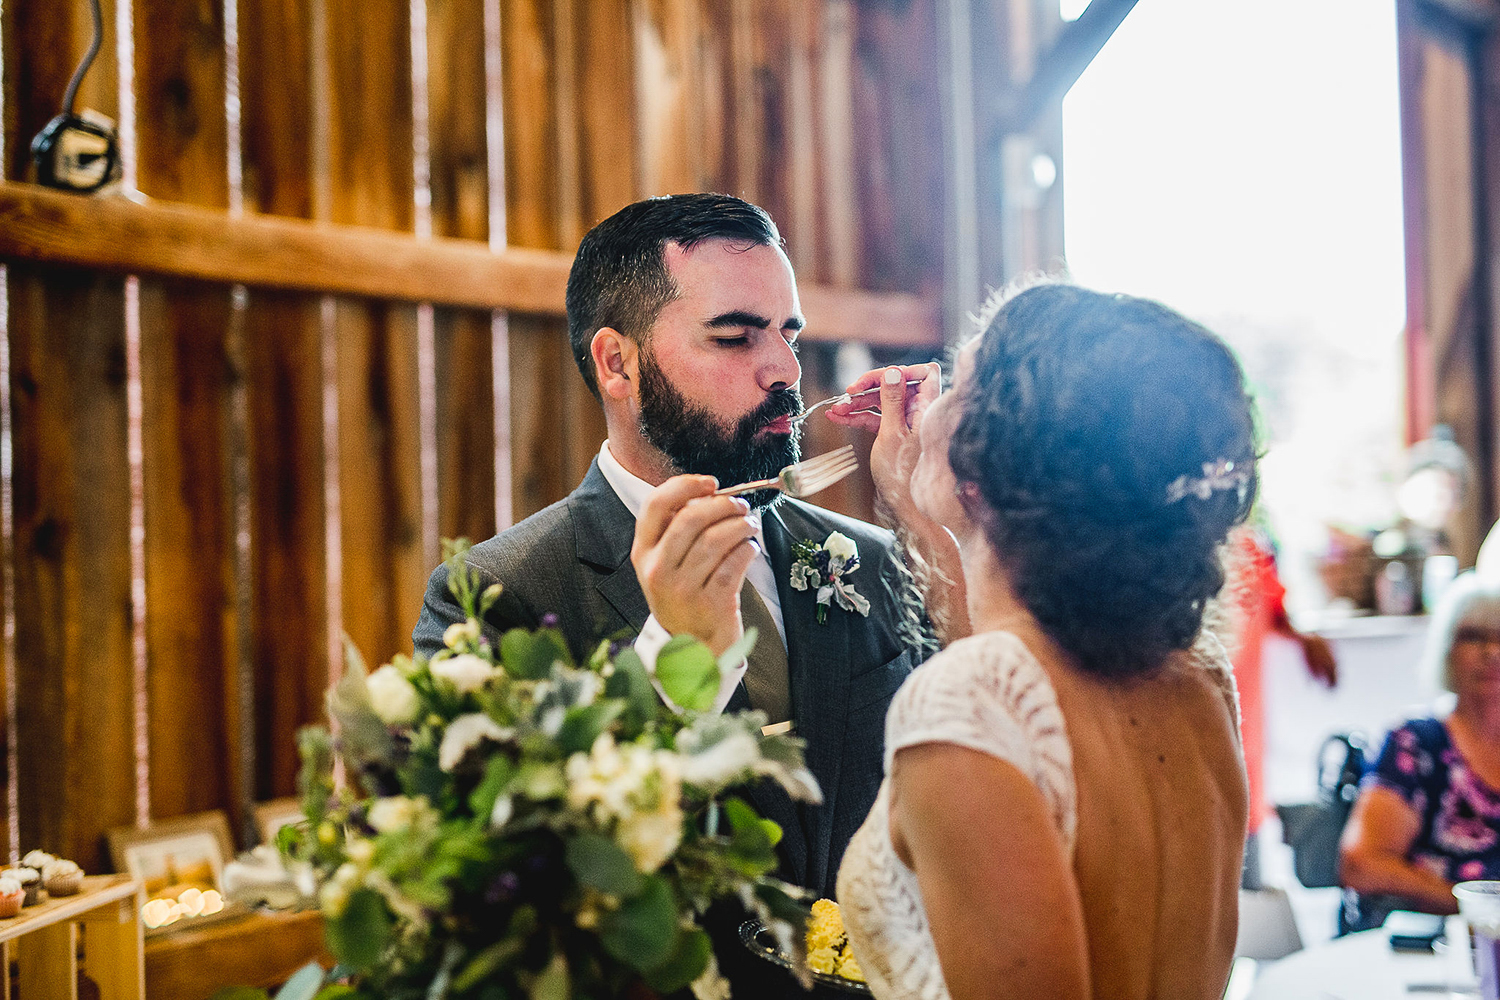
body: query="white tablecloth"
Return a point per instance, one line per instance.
(1363, 967)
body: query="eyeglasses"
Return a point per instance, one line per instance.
(1470, 636)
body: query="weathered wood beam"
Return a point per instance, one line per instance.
(124, 236)
(1063, 63)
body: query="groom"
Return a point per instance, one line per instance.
(683, 317)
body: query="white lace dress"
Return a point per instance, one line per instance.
(987, 693)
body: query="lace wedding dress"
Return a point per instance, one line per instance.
(987, 693)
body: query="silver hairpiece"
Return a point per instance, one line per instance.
(1220, 475)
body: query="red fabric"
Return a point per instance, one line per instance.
(1258, 607)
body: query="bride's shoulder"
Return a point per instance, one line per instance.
(986, 673)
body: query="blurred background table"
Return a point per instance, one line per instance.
(1363, 967)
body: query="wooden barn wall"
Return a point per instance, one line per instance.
(211, 484)
(1450, 111)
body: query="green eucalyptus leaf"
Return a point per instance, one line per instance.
(784, 901)
(529, 655)
(773, 831)
(488, 962)
(750, 843)
(602, 864)
(357, 937)
(552, 983)
(581, 726)
(498, 773)
(339, 991)
(516, 648)
(304, 983)
(642, 933)
(631, 683)
(686, 964)
(732, 657)
(688, 672)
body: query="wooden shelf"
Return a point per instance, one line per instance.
(45, 942)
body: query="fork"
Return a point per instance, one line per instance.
(803, 479)
(844, 397)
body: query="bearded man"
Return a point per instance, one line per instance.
(683, 317)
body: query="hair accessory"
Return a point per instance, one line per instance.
(1220, 475)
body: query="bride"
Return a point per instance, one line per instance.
(1064, 802)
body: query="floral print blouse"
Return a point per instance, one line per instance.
(1460, 835)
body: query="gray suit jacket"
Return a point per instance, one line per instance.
(573, 559)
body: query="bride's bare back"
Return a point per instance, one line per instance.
(1161, 810)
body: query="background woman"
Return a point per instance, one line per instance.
(1428, 814)
(1064, 804)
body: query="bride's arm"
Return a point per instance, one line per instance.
(1000, 895)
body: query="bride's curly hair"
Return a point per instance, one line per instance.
(1081, 411)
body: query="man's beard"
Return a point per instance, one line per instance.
(694, 441)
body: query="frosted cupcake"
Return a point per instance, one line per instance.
(11, 896)
(62, 878)
(37, 859)
(31, 882)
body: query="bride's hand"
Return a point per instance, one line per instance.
(893, 458)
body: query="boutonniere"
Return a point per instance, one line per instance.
(824, 567)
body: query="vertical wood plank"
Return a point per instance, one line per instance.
(555, 424)
(669, 127)
(606, 114)
(185, 375)
(460, 208)
(72, 519)
(370, 152)
(840, 257)
(289, 601)
(71, 488)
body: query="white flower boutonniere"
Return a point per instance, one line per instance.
(824, 567)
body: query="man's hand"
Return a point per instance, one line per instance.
(690, 554)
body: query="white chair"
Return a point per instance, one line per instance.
(1268, 930)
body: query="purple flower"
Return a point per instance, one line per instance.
(503, 889)
(550, 620)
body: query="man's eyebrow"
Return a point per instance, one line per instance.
(738, 317)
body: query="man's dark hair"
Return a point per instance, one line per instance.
(620, 279)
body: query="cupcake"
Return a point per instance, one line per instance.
(11, 896)
(31, 882)
(37, 859)
(62, 878)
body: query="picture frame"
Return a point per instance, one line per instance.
(179, 860)
(271, 816)
(189, 850)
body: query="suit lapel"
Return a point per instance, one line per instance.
(603, 529)
(818, 661)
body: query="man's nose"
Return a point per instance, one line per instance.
(780, 369)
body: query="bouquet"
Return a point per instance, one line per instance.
(504, 823)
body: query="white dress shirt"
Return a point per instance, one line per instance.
(633, 493)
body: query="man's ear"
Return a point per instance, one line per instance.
(615, 362)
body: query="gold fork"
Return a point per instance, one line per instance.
(803, 479)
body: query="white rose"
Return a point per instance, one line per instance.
(841, 546)
(465, 671)
(396, 812)
(461, 633)
(651, 837)
(721, 762)
(361, 852)
(392, 697)
(464, 733)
